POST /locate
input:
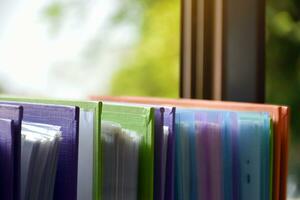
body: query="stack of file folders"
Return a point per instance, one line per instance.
(128, 148)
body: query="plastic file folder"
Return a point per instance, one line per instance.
(159, 151)
(7, 172)
(141, 121)
(164, 152)
(169, 122)
(279, 115)
(214, 162)
(163, 141)
(89, 177)
(163, 172)
(10, 138)
(67, 117)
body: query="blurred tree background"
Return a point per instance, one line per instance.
(148, 67)
(283, 70)
(151, 67)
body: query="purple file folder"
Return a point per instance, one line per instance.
(163, 176)
(67, 117)
(169, 121)
(158, 143)
(6, 159)
(10, 151)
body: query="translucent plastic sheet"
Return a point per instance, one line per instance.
(254, 156)
(185, 185)
(210, 130)
(222, 155)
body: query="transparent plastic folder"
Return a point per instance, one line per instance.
(199, 155)
(89, 176)
(240, 149)
(140, 120)
(10, 141)
(164, 141)
(222, 155)
(67, 117)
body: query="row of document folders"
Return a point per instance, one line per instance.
(127, 148)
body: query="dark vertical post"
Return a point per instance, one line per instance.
(222, 50)
(243, 50)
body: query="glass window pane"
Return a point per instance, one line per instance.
(73, 49)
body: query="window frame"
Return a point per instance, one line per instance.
(218, 60)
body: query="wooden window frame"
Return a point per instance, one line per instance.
(223, 50)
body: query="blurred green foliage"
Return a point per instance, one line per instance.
(283, 56)
(54, 11)
(151, 67)
(283, 67)
(57, 12)
(53, 15)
